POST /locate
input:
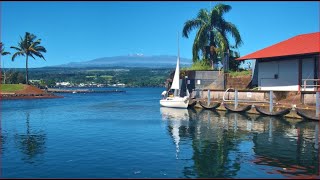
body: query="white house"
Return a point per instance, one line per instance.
(290, 65)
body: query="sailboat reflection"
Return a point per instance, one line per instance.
(176, 118)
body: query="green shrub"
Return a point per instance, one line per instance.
(239, 73)
(199, 66)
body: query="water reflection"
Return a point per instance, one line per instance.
(31, 143)
(222, 143)
(176, 118)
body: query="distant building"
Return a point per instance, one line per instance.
(63, 84)
(290, 65)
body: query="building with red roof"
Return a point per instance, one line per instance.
(290, 65)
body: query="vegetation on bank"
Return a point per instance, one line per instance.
(11, 87)
(240, 73)
(198, 66)
(131, 77)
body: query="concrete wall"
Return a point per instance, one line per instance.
(281, 75)
(252, 96)
(205, 80)
(309, 99)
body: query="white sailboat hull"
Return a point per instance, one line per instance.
(175, 102)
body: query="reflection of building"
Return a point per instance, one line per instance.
(219, 141)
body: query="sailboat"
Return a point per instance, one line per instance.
(175, 101)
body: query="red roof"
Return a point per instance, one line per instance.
(301, 44)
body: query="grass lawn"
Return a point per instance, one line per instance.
(11, 87)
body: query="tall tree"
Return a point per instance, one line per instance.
(212, 33)
(29, 46)
(3, 53)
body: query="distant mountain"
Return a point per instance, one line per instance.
(131, 61)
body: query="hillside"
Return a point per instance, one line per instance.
(131, 61)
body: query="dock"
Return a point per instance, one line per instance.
(51, 90)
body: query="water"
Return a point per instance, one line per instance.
(128, 135)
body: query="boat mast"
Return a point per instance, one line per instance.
(177, 91)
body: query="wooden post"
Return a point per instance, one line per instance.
(271, 101)
(235, 98)
(208, 103)
(317, 104)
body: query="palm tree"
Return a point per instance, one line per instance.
(29, 46)
(3, 53)
(211, 38)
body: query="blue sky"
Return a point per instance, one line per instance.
(82, 31)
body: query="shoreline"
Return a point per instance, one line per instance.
(28, 96)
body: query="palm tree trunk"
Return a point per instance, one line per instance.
(27, 79)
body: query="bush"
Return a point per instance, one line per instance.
(239, 73)
(199, 66)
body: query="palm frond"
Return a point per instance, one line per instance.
(40, 49)
(3, 53)
(30, 54)
(233, 30)
(16, 48)
(203, 15)
(38, 54)
(190, 25)
(17, 54)
(222, 8)
(200, 40)
(220, 40)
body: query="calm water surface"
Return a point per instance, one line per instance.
(128, 135)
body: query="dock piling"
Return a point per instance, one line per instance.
(208, 103)
(271, 101)
(317, 104)
(235, 98)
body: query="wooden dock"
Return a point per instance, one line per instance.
(83, 91)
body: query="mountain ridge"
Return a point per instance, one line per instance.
(130, 61)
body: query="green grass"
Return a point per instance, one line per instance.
(11, 87)
(239, 73)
